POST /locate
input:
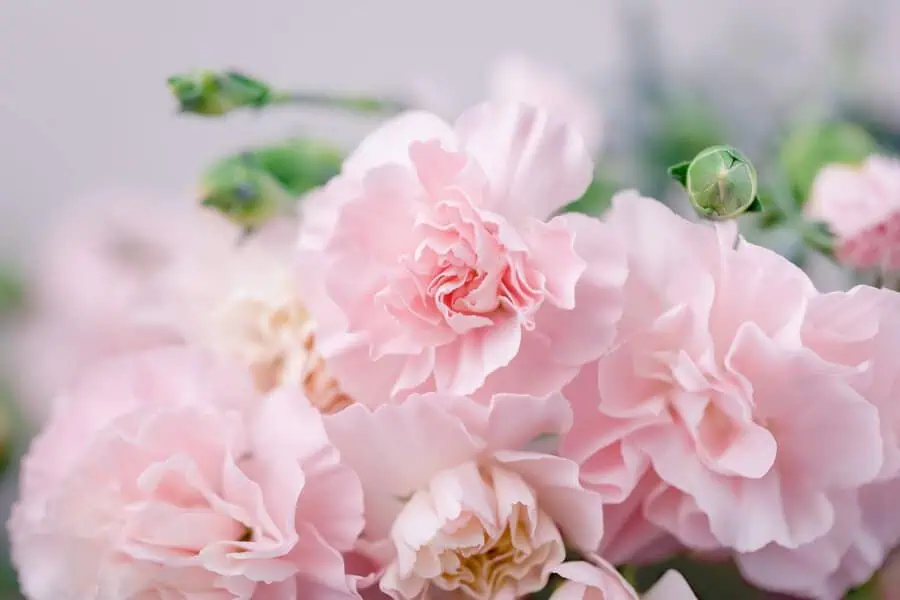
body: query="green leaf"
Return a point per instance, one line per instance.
(595, 200)
(679, 172)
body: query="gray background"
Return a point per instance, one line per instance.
(83, 102)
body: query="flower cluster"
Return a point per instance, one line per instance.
(435, 385)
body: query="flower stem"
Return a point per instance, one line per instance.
(359, 104)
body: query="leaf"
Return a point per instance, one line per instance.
(679, 172)
(595, 200)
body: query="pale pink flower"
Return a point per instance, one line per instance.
(96, 288)
(166, 475)
(518, 79)
(453, 501)
(861, 205)
(598, 580)
(858, 329)
(711, 388)
(439, 269)
(245, 301)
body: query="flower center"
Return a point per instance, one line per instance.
(276, 338)
(484, 550)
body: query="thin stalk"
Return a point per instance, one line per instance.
(351, 103)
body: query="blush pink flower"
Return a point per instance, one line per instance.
(440, 270)
(454, 504)
(165, 475)
(858, 329)
(517, 79)
(97, 288)
(712, 389)
(244, 301)
(861, 205)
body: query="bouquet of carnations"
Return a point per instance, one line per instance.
(448, 366)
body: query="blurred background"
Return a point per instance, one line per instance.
(84, 107)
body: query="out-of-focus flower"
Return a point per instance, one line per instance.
(97, 287)
(861, 206)
(455, 503)
(712, 389)
(166, 475)
(245, 302)
(439, 269)
(517, 79)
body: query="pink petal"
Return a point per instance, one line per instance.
(536, 164)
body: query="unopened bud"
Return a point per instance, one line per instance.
(212, 93)
(301, 164)
(264, 183)
(243, 192)
(720, 182)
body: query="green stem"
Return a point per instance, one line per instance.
(358, 104)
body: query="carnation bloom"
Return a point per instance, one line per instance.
(517, 79)
(97, 288)
(244, 301)
(453, 502)
(711, 389)
(165, 475)
(858, 329)
(861, 205)
(439, 269)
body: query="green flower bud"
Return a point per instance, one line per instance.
(300, 165)
(720, 182)
(258, 185)
(243, 192)
(807, 149)
(213, 94)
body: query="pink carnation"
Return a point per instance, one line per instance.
(517, 79)
(246, 302)
(455, 502)
(97, 288)
(858, 329)
(165, 475)
(440, 270)
(711, 388)
(861, 205)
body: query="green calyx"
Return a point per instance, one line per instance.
(720, 182)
